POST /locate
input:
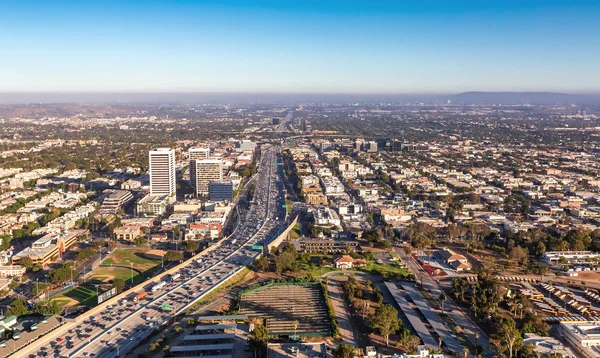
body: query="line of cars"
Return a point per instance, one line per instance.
(197, 278)
(118, 328)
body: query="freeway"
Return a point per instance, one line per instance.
(119, 328)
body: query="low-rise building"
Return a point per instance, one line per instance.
(116, 199)
(49, 247)
(153, 204)
(12, 271)
(583, 335)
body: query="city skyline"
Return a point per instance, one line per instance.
(301, 47)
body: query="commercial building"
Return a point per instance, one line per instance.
(162, 172)
(129, 232)
(194, 154)
(220, 190)
(49, 247)
(153, 204)
(583, 335)
(244, 145)
(116, 199)
(207, 170)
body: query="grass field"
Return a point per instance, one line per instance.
(388, 269)
(83, 295)
(126, 257)
(61, 303)
(108, 274)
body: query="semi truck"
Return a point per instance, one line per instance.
(174, 277)
(140, 296)
(158, 286)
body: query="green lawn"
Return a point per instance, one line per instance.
(375, 268)
(126, 257)
(85, 296)
(107, 274)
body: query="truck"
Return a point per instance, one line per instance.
(158, 286)
(139, 296)
(174, 277)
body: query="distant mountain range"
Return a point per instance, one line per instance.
(522, 98)
(295, 98)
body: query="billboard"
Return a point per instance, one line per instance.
(106, 295)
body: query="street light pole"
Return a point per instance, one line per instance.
(131, 267)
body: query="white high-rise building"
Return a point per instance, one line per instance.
(162, 172)
(207, 170)
(196, 153)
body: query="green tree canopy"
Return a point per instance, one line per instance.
(386, 321)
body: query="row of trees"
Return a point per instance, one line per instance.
(18, 307)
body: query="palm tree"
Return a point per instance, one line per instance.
(465, 352)
(296, 324)
(442, 300)
(258, 339)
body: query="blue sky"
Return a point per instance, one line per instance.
(300, 46)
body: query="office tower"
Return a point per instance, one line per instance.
(325, 146)
(207, 170)
(196, 153)
(220, 191)
(162, 171)
(372, 147)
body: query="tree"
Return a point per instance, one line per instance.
(97, 245)
(5, 242)
(26, 262)
(140, 241)
(258, 339)
(518, 253)
(191, 246)
(62, 274)
(119, 284)
(386, 321)
(262, 263)
(17, 308)
(442, 300)
(84, 254)
(51, 308)
(508, 337)
(343, 351)
(173, 256)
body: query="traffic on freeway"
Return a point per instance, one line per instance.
(120, 327)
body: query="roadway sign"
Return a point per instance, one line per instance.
(166, 307)
(257, 247)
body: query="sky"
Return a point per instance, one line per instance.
(289, 46)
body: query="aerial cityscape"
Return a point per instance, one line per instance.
(363, 179)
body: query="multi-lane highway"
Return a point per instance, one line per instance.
(118, 328)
